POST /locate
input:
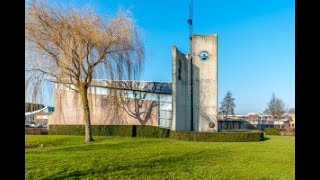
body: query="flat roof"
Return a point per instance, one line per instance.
(143, 86)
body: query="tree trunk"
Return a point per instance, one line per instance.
(86, 115)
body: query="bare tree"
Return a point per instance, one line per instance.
(276, 107)
(73, 46)
(291, 110)
(228, 105)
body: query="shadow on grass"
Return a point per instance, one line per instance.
(265, 138)
(123, 144)
(155, 166)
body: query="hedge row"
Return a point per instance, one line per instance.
(235, 130)
(36, 131)
(156, 132)
(111, 130)
(151, 131)
(272, 131)
(218, 137)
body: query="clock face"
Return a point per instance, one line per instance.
(203, 55)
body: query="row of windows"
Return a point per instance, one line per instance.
(129, 94)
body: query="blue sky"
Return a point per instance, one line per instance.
(256, 43)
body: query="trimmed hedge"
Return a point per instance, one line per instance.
(272, 131)
(97, 130)
(111, 130)
(66, 129)
(156, 132)
(151, 131)
(35, 131)
(235, 130)
(218, 137)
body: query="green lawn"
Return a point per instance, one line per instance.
(66, 157)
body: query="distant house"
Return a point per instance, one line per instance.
(254, 121)
(232, 124)
(42, 118)
(253, 117)
(228, 122)
(37, 113)
(278, 123)
(292, 120)
(232, 117)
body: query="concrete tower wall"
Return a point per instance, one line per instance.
(205, 83)
(205, 90)
(180, 91)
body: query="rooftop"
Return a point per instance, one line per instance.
(143, 86)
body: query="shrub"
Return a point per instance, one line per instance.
(287, 132)
(36, 131)
(218, 136)
(272, 131)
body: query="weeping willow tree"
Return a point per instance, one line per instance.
(74, 46)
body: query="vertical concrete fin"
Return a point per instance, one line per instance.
(179, 90)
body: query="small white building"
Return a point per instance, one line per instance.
(39, 115)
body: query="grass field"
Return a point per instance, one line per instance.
(66, 157)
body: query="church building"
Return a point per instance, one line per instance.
(188, 103)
